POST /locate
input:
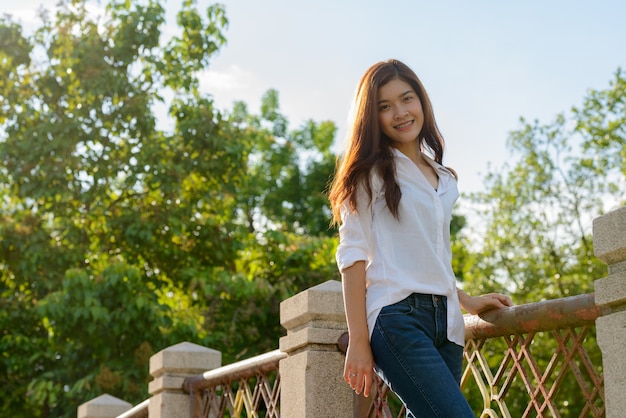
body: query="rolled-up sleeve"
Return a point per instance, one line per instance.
(354, 234)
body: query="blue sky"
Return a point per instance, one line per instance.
(484, 63)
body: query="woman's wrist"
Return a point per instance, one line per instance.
(466, 301)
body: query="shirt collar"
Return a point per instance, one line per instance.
(443, 173)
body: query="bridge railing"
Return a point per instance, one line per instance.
(507, 367)
(250, 387)
(585, 334)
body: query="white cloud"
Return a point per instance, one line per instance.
(232, 84)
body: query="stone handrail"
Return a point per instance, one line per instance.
(138, 411)
(244, 369)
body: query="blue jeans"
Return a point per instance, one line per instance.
(413, 355)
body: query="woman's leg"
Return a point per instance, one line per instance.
(406, 342)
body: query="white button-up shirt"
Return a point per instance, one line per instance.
(409, 255)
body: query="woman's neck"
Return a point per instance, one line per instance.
(411, 150)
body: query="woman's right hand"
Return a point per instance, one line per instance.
(358, 370)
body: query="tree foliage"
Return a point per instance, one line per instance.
(536, 214)
(120, 237)
(537, 211)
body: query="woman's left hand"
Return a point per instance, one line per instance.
(479, 304)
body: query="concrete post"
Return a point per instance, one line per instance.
(104, 406)
(170, 367)
(311, 376)
(609, 241)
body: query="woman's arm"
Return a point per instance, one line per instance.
(478, 304)
(359, 366)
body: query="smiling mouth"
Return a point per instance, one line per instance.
(404, 125)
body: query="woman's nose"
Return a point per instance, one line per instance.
(400, 113)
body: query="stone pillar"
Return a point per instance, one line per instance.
(312, 385)
(609, 241)
(170, 367)
(104, 406)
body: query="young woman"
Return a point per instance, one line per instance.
(392, 199)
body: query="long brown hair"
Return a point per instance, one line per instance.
(368, 147)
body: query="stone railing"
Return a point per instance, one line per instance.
(248, 385)
(310, 383)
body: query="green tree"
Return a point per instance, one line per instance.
(99, 213)
(281, 203)
(119, 238)
(288, 170)
(536, 213)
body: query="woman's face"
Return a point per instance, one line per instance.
(399, 112)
